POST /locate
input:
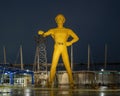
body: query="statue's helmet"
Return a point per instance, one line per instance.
(60, 18)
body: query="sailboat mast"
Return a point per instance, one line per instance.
(4, 51)
(21, 57)
(105, 56)
(88, 57)
(72, 57)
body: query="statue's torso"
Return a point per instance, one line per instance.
(60, 34)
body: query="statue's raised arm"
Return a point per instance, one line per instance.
(44, 34)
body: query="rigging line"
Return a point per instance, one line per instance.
(18, 53)
(92, 58)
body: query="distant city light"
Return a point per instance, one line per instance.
(6, 73)
(27, 70)
(102, 69)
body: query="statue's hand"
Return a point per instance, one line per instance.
(68, 43)
(40, 32)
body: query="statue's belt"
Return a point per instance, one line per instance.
(60, 43)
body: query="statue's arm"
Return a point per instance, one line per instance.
(75, 38)
(44, 34)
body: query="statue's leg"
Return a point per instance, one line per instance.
(55, 58)
(65, 58)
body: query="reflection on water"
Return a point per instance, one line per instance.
(58, 92)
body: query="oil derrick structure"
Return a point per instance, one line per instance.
(40, 61)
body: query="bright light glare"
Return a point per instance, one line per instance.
(27, 92)
(102, 94)
(27, 70)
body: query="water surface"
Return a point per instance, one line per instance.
(56, 92)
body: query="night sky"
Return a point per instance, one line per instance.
(96, 22)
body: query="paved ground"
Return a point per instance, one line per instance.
(62, 91)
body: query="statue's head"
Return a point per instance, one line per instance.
(60, 18)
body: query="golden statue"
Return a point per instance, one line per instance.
(60, 34)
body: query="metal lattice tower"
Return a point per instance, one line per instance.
(40, 62)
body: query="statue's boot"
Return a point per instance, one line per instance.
(72, 86)
(48, 85)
